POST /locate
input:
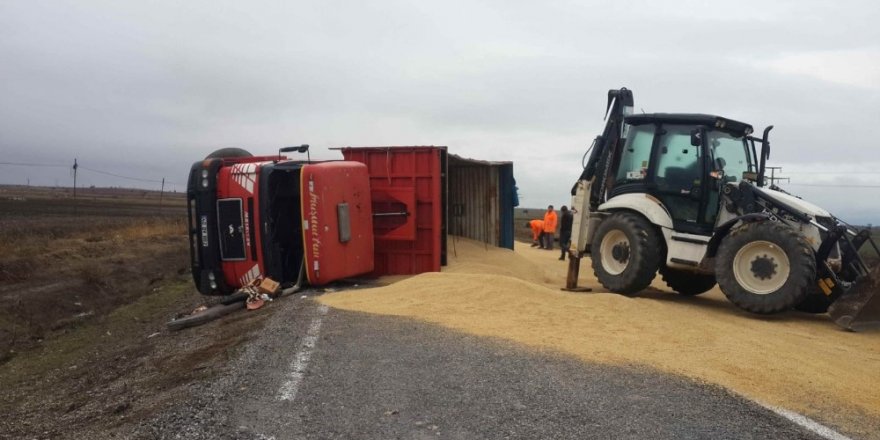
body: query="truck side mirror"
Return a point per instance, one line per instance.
(304, 148)
(298, 148)
(696, 137)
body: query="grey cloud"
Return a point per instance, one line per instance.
(145, 88)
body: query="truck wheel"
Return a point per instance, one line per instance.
(814, 302)
(625, 253)
(687, 283)
(765, 267)
(225, 153)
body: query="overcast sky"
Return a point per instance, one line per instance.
(144, 89)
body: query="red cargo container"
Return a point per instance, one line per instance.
(408, 189)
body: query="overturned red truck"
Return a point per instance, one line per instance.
(292, 221)
(380, 211)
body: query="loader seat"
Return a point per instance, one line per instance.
(677, 183)
(678, 178)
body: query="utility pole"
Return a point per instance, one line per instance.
(773, 177)
(75, 166)
(161, 193)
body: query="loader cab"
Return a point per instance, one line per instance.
(682, 160)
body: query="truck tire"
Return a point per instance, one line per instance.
(625, 253)
(686, 283)
(765, 267)
(814, 302)
(225, 153)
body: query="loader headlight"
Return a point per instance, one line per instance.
(204, 183)
(211, 276)
(204, 174)
(213, 285)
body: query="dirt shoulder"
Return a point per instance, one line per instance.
(115, 372)
(87, 289)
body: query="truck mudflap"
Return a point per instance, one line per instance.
(859, 308)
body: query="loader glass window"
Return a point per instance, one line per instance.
(636, 154)
(729, 154)
(679, 174)
(678, 164)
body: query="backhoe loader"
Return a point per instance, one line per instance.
(685, 196)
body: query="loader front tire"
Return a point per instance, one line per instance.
(625, 253)
(765, 267)
(687, 283)
(814, 302)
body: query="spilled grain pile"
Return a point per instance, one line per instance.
(796, 361)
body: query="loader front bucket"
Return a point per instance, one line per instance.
(859, 308)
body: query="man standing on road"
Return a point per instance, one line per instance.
(565, 230)
(549, 227)
(537, 229)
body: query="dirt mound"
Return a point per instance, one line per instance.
(797, 361)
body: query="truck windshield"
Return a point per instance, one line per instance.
(731, 155)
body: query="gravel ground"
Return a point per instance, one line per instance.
(384, 377)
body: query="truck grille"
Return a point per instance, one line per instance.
(229, 225)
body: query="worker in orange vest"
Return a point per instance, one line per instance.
(549, 228)
(537, 229)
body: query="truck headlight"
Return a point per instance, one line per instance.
(213, 285)
(204, 183)
(211, 276)
(205, 174)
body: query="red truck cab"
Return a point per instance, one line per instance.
(267, 216)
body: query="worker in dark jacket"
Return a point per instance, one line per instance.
(565, 223)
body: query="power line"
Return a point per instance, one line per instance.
(53, 165)
(131, 178)
(839, 173)
(26, 164)
(842, 185)
(120, 176)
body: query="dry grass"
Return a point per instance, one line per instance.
(28, 246)
(60, 266)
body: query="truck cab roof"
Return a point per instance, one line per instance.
(712, 121)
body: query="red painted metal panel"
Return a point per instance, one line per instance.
(408, 178)
(241, 181)
(328, 190)
(392, 211)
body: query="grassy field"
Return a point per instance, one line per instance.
(64, 261)
(87, 288)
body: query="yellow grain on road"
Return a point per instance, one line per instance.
(797, 361)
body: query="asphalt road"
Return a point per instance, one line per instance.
(318, 373)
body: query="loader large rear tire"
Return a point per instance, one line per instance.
(765, 267)
(687, 283)
(625, 253)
